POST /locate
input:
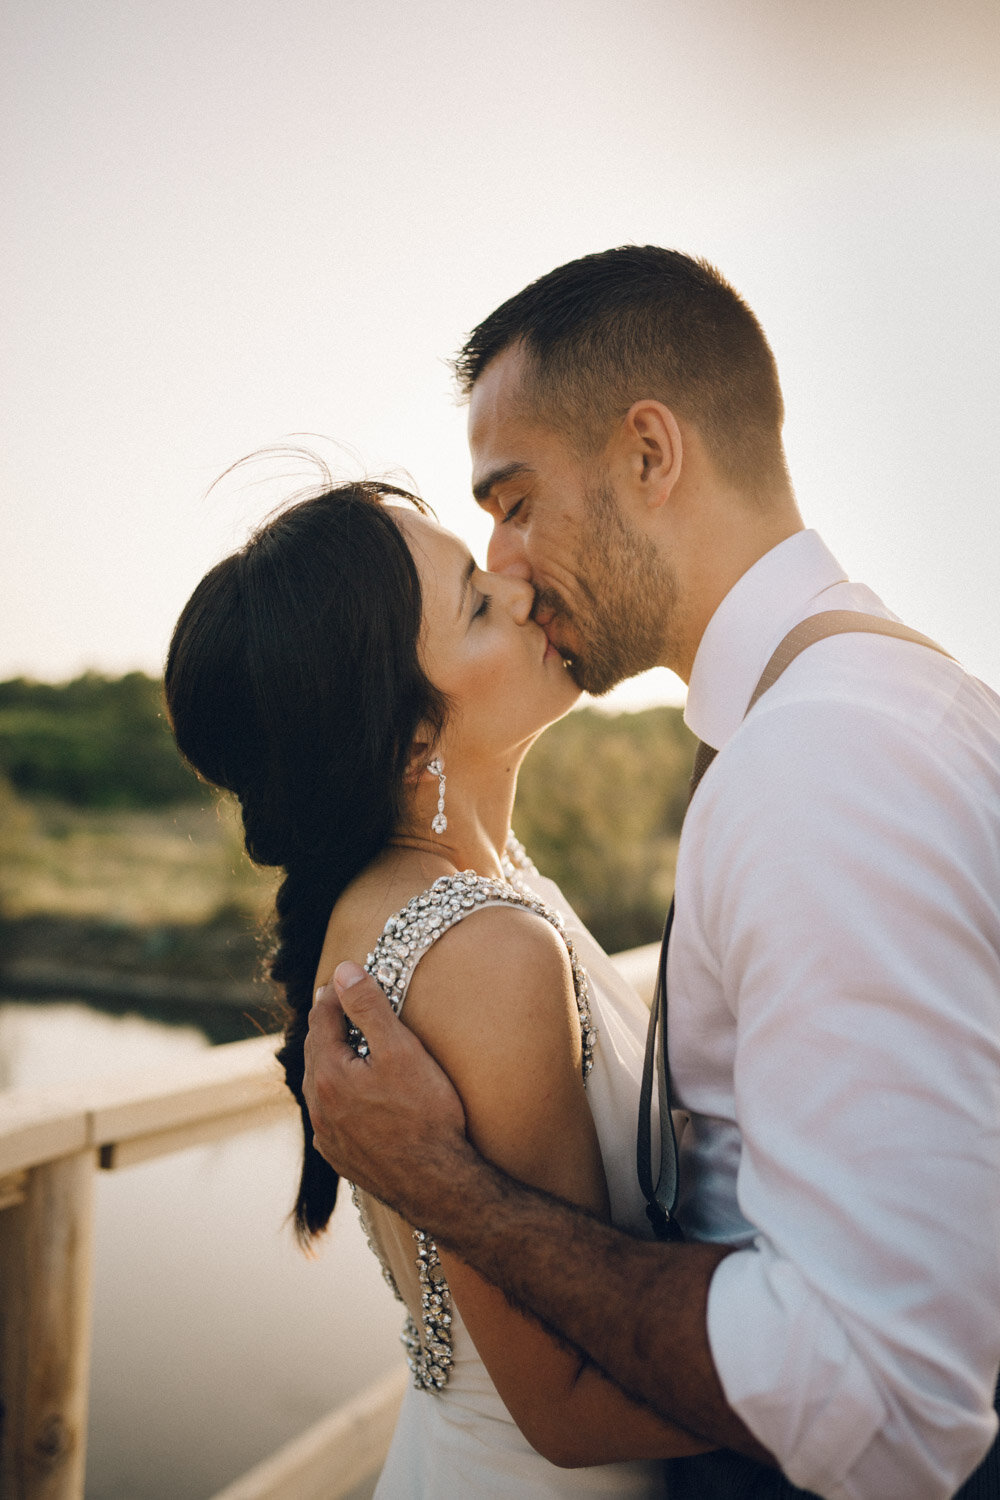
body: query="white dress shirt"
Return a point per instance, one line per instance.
(835, 1035)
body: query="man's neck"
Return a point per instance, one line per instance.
(726, 544)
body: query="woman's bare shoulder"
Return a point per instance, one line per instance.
(499, 982)
(506, 942)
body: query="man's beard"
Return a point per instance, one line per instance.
(627, 598)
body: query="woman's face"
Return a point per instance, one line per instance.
(480, 646)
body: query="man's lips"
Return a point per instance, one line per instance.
(544, 620)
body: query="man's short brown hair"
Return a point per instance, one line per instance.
(641, 322)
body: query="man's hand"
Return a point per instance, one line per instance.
(390, 1122)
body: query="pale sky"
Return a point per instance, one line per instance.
(229, 221)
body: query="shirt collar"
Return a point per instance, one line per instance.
(758, 611)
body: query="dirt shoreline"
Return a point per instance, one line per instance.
(196, 970)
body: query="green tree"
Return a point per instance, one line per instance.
(599, 807)
(93, 742)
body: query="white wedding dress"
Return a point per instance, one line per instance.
(454, 1439)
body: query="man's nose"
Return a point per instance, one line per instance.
(520, 597)
(505, 554)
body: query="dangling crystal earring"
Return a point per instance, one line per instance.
(436, 767)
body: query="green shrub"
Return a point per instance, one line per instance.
(93, 742)
(599, 806)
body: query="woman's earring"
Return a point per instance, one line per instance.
(436, 767)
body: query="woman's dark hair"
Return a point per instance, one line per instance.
(293, 681)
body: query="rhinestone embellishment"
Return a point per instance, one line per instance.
(515, 861)
(405, 937)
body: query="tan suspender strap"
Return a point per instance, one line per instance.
(832, 622)
(815, 628)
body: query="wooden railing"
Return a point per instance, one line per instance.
(52, 1143)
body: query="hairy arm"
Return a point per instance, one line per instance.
(394, 1123)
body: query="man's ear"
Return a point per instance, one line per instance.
(654, 450)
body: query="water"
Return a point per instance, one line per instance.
(215, 1340)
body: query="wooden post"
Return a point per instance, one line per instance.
(46, 1254)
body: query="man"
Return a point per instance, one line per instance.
(834, 969)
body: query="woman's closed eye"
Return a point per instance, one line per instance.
(483, 607)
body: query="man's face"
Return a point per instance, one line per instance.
(603, 595)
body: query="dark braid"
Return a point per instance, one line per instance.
(303, 907)
(293, 680)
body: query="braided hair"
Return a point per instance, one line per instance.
(293, 681)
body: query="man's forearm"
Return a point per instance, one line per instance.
(638, 1309)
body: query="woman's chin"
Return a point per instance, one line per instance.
(569, 695)
(569, 684)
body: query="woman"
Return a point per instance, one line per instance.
(368, 695)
